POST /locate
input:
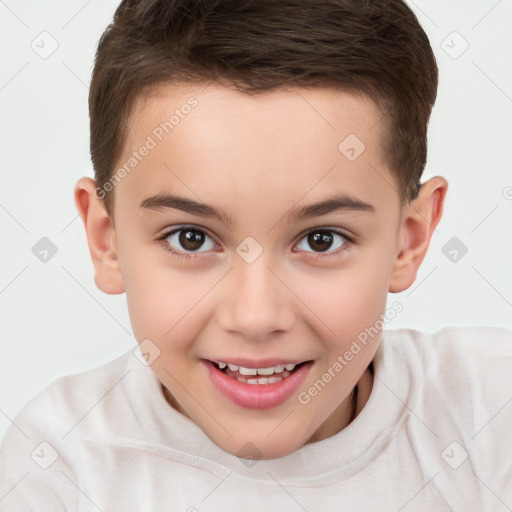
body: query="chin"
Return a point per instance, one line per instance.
(261, 445)
(262, 449)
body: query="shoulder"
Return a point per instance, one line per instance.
(37, 438)
(452, 347)
(457, 395)
(51, 413)
(70, 394)
(471, 362)
(458, 383)
(66, 399)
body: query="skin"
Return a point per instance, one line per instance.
(257, 158)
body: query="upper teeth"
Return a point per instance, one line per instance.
(257, 371)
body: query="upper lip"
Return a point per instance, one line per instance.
(260, 363)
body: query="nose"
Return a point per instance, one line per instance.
(255, 302)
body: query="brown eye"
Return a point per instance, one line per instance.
(322, 240)
(190, 240)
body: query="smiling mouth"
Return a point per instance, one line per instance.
(258, 385)
(258, 376)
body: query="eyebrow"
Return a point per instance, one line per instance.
(161, 201)
(338, 203)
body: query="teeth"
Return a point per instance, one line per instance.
(267, 374)
(263, 380)
(266, 371)
(247, 371)
(260, 380)
(258, 371)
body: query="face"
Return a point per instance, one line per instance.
(256, 238)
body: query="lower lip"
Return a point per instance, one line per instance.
(257, 396)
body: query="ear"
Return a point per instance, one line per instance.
(101, 237)
(419, 220)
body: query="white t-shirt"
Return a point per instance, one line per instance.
(435, 435)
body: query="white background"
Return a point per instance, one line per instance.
(55, 322)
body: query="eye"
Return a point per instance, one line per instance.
(187, 239)
(323, 240)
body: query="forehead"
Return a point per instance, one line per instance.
(219, 143)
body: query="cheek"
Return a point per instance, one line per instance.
(345, 302)
(157, 305)
(165, 305)
(156, 298)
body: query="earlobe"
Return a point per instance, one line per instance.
(419, 221)
(101, 237)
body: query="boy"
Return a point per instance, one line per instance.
(257, 194)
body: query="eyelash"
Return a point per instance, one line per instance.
(179, 254)
(316, 256)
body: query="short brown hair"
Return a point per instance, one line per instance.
(374, 47)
